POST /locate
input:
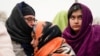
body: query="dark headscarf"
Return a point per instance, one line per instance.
(18, 28)
(26, 10)
(50, 32)
(87, 41)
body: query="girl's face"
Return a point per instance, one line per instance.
(75, 20)
(34, 41)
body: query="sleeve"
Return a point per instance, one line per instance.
(6, 48)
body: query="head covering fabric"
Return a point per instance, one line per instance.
(26, 10)
(87, 41)
(19, 29)
(49, 32)
(47, 41)
(61, 20)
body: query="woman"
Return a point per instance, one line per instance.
(47, 41)
(19, 26)
(80, 33)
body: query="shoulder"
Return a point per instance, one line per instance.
(96, 32)
(96, 28)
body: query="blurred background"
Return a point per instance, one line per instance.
(47, 9)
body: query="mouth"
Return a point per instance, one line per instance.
(76, 26)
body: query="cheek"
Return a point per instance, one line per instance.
(35, 43)
(30, 24)
(80, 22)
(70, 23)
(27, 22)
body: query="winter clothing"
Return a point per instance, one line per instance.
(19, 30)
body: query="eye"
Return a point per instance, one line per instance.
(30, 19)
(80, 17)
(72, 17)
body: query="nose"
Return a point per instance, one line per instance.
(32, 42)
(76, 21)
(32, 23)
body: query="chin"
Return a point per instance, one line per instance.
(76, 29)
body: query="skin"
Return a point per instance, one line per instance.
(34, 42)
(30, 20)
(76, 20)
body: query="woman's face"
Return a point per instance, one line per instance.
(75, 20)
(30, 20)
(34, 41)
